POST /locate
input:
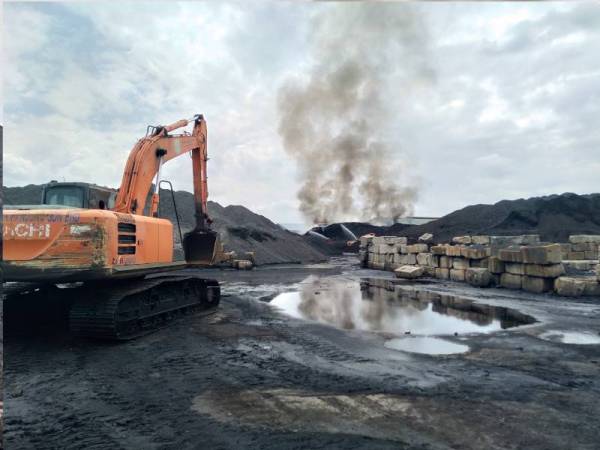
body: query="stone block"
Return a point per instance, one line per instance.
(592, 287)
(477, 276)
(461, 240)
(242, 264)
(538, 284)
(460, 263)
(457, 274)
(426, 238)
(584, 247)
(407, 260)
(482, 240)
(481, 263)
(366, 240)
(429, 271)
(591, 254)
(579, 265)
(417, 248)
(578, 238)
(378, 240)
(509, 241)
(424, 259)
(541, 254)
(377, 265)
(515, 268)
(475, 252)
(544, 271)
(442, 274)
(574, 256)
(393, 240)
(453, 250)
(445, 262)
(438, 249)
(495, 265)
(511, 254)
(435, 261)
(511, 281)
(409, 272)
(402, 248)
(565, 248)
(577, 286)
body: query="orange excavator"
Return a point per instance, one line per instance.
(114, 246)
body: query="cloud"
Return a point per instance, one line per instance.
(513, 111)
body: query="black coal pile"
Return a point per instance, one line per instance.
(240, 229)
(553, 217)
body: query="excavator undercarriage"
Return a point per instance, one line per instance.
(130, 310)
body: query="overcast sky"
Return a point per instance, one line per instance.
(512, 112)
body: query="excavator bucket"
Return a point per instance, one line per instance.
(199, 247)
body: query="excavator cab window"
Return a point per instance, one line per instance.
(65, 195)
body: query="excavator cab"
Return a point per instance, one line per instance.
(78, 195)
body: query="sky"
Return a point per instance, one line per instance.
(511, 110)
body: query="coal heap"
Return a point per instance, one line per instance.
(553, 217)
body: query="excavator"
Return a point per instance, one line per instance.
(114, 247)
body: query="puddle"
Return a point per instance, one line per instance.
(427, 345)
(384, 306)
(571, 337)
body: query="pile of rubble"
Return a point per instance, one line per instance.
(513, 262)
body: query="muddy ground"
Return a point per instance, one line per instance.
(250, 377)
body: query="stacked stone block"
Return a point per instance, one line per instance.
(513, 262)
(582, 247)
(532, 268)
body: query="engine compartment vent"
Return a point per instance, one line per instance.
(127, 238)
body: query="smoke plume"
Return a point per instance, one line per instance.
(334, 117)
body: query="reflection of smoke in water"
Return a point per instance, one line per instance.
(332, 120)
(343, 304)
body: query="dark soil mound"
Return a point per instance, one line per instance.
(553, 217)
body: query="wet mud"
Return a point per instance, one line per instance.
(255, 376)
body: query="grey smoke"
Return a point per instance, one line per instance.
(333, 118)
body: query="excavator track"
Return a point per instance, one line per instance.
(129, 310)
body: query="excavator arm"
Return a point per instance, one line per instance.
(143, 167)
(147, 157)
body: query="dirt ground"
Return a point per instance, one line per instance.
(250, 377)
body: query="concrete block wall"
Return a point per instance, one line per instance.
(513, 262)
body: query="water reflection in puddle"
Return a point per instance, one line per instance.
(426, 344)
(571, 337)
(390, 308)
(384, 306)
